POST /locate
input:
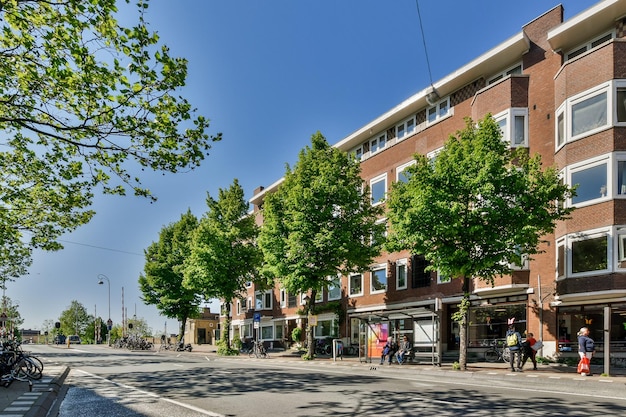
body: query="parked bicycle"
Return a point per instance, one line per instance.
(258, 350)
(497, 353)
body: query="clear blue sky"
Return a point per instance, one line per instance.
(268, 74)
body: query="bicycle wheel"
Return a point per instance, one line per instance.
(506, 354)
(34, 368)
(491, 355)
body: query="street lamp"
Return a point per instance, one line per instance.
(101, 278)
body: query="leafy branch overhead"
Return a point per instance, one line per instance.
(83, 103)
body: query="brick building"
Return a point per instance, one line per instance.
(557, 88)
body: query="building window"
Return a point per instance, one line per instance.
(378, 279)
(378, 143)
(591, 111)
(334, 288)
(420, 277)
(589, 255)
(620, 105)
(263, 300)
(401, 173)
(591, 181)
(588, 46)
(438, 111)
(356, 285)
(401, 282)
(292, 300)
(405, 129)
(279, 331)
(584, 253)
(325, 328)
(589, 114)
(267, 332)
(239, 307)
(442, 278)
(514, 126)
(283, 298)
(516, 69)
(378, 187)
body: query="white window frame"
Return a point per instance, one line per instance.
(404, 126)
(378, 143)
(376, 180)
(400, 169)
(266, 300)
(568, 241)
(592, 163)
(331, 286)
(402, 264)
(441, 110)
(283, 298)
(564, 113)
(374, 269)
(357, 153)
(592, 44)
(250, 304)
(514, 69)
(509, 132)
(238, 307)
(443, 279)
(356, 294)
(264, 328)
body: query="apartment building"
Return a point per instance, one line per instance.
(557, 88)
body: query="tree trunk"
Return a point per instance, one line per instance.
(464, 324)
(309, 334)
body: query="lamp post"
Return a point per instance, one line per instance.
(101, 278)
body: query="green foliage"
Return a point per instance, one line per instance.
(319, 223)
(543, 359)
(84, 103)
(456, 366)
(223, 349)
(75, 320)
(478, 207)
(296, 334)
(161, 283)
(223, 250)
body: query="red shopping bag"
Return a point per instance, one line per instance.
(583, 366)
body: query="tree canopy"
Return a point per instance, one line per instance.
(320, 222)
(84, 103)
(477, 208)
(224, 253)
(161, 283)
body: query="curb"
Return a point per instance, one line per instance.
(48, 400)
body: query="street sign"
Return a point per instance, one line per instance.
(257, 317)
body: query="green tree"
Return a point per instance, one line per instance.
(84, 103)
(161, 283)
(224, 252)
(476, 209)
(319, 223)
(11, 316)
(75, 320)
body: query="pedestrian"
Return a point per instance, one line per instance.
(514, 343)
(403, 350)
(386, 352)
(529, 352)
(586, 347)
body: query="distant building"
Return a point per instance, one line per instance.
(204, 329)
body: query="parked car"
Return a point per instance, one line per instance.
(74, 340)
(59, 339)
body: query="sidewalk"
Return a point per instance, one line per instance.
(18, 401)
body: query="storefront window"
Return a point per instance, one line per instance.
(571, 319)
(489, 322)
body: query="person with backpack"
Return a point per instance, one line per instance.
(514, 344)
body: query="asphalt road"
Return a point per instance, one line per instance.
(106, 382)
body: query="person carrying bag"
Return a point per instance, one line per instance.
(586, 348)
